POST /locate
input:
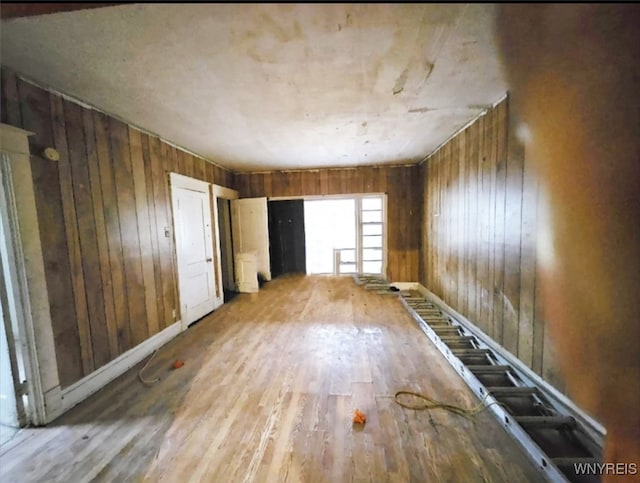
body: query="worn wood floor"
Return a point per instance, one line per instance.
(267, 394)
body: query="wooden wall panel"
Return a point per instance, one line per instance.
(72, 234)
(404, 202)
(102, 240)
(126, 201)
(102, 213)
(114, 240)
(93, 332)
(34, 114)
(480, 229)
(144, 230)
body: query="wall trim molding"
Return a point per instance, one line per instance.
(465, 126)
(24, 275)
(401, 164)
(219, 191)
(594, 427)
(61, 400)
(187, 182)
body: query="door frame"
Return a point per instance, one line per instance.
(25, 296)
(185, 182)
(273, 207)
(263, 259)
(218, 191)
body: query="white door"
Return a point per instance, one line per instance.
(194, 246)
(250, 226)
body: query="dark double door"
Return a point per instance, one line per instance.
(286, 237)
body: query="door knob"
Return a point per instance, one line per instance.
(209, 260)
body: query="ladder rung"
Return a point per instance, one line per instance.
(488, 369)
(440, 331)
(470, 352)
(438, 323)
(570, 461)
(438, 320)
(442, 325)
(430, 314)
(457, 338)
(545, 421)
(512, 390)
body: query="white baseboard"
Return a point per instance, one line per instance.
(60, 400)
(595, 428)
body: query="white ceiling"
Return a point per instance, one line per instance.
(257, 87)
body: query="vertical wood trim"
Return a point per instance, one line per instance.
(95, 329)
(144, 232)
(127, 210)
(527, 266)
(513, 232)
(71, 228)
(159, 157)
(460, 225)
(499, 240)
(538, 316)
(167, 257)
(474, 309)
(492, 137)
(155, 233)
(112, 226)
(101, 234)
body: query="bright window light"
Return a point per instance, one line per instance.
(329, 224)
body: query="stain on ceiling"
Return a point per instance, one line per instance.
(262, 87)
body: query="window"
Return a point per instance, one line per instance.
(371, 234)
(345, 235)
(330, 224)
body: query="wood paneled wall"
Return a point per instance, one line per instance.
(479, 237)
(404, 199)
(102, 210)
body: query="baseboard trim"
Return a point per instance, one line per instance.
(85, 387)
(595, 429)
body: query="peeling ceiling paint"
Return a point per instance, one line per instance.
(258, 87)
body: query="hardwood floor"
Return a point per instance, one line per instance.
(267, 393)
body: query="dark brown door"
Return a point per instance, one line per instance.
(286, 237)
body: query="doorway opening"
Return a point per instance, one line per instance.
(20, 392)
(227, 266)
(9, 420)
(287, 237)
(331, 229)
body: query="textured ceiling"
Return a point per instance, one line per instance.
(257, 87)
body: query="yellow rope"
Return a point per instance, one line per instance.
(142, 379)
(433, 404)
